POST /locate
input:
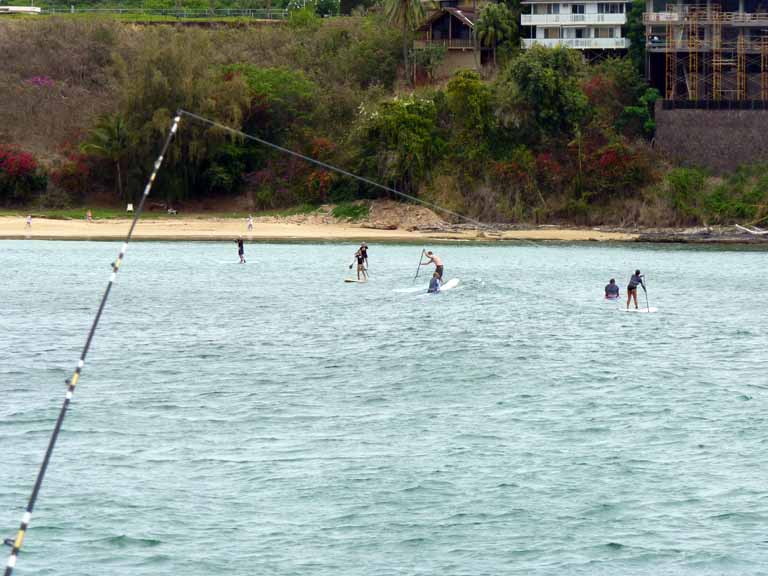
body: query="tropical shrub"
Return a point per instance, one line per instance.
(21, 179)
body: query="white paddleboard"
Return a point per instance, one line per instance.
(650, 310)
(355, 280)
(452, 283)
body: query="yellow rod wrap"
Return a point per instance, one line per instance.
(19, 539)
(117, 263)
(75, 378)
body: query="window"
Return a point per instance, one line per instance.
(551, 33)
(577, 9)
(610, 8)
(604, 32)
(553, 8)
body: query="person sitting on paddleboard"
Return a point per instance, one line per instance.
(362, 260)
(434, 259)
(612, 290)
(434, 284)
(240, 249)
(634, 282)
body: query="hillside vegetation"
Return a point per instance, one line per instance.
(545, 138)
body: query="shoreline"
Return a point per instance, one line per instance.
(287, 230)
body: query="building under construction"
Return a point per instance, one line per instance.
(709, 55)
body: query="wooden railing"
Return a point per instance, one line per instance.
(448, 42)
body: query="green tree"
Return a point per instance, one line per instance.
(544, 85)
(110, 139)
(406, 14)
(469, 101)
(636, 35)
(157, 77)
(281, 99)
(400, 141)
(495, 26)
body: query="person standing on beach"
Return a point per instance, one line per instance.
(433, 258)
(29, 221)
(240, 249)
(88, 217)
(250, 223)
(634, 282)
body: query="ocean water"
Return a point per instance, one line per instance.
(271, 419)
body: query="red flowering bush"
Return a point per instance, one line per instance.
(72, 176)
(20, 177)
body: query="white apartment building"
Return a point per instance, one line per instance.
(579, 25)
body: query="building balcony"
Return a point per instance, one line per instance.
(566, 19)
(449, 43)
(579, 43)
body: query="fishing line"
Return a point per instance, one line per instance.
(17, 543)
(337, 169)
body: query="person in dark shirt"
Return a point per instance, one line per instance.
(240, 249)
(361, 256)
(612, 290)
(434, 284)
(634, 282)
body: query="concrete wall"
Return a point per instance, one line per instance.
(457, 60)
(720, 140)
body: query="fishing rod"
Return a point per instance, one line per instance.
(71, 382)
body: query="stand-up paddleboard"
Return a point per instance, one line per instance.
(452, 283)
(650, 310)
(355, 280)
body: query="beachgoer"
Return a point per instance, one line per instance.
(88, 216)
(250, 223)
(29, 221)
(434, 284)
(240, 249)
(634, 282)
(612, 290)
(434, 259)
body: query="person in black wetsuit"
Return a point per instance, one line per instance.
(634, 282)
(240, 249)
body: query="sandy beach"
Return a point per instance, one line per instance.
(185, 228)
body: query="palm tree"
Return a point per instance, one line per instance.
(495, 26)
(407, 14)
(110, 139)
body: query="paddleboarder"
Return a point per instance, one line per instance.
(635, 281)
(240, 249)
(433, 258)
(361, 256)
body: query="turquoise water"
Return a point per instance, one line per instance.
(271, 419)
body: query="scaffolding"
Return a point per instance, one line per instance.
(764, 69)
(710, 54)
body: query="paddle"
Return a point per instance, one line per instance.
(647, 305)
(421, 257)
